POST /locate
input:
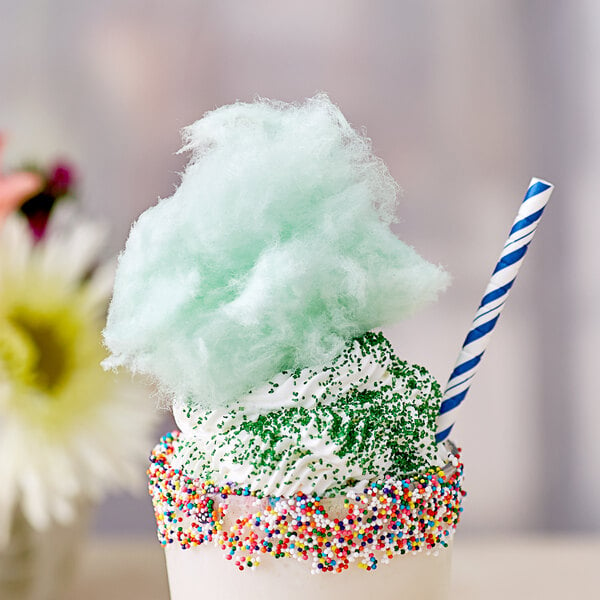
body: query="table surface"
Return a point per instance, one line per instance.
(490, 568)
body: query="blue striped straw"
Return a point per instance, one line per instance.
(493, 301)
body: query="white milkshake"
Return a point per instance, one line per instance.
(201, 572)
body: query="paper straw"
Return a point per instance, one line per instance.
(491, 306)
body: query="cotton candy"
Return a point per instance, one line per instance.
(273, 253)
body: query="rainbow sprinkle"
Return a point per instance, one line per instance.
(390, 517)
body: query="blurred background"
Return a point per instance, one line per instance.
(464, 101)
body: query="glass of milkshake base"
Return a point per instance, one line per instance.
(392, 540)
(200, 573)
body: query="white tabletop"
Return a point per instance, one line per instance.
(544, 567)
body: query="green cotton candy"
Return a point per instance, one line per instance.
(271, 255)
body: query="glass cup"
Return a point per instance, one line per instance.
(202, 572)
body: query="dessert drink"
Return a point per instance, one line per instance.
(310, 460)
(305, 463)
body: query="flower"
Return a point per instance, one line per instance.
(68, 430)
(56, 185)
(16, 188)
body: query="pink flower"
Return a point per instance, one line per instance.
(16, 188)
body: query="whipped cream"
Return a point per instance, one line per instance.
(322, 432)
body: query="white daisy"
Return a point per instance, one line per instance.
(68, 430)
